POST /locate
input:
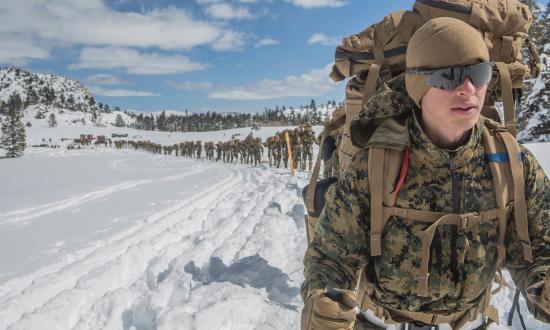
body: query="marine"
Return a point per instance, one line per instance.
(435, 121)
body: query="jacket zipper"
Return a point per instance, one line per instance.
(456, 209)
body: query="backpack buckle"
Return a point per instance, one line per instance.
(463, 223)
(465, 219)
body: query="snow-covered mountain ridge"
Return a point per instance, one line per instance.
(51, 91)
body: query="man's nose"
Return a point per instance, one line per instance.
(467, 87)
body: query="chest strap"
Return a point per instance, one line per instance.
(462, 221)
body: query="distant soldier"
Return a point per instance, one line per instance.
(219, 147)
(308, 139)
(198, 149)
(269, 146)
(257, 151)
(276, 150)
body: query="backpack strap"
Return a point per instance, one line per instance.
(504, 158)
(376, 68)
(507, 97)
(520, 205)
(501, 183)
(384, 166)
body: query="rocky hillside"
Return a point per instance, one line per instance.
(51, 91)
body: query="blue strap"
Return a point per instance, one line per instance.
(502, 157)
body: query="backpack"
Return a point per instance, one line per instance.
(377, 54)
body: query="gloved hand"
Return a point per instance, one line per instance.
(539, 293)
(545, 296)
(323, 313)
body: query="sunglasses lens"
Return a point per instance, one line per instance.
(480, 73)
(450, 78)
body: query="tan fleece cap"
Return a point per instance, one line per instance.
(441, 42)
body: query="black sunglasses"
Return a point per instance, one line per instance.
(452, 77)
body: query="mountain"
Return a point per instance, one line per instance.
(51, 91)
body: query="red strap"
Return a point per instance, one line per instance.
(403, 173)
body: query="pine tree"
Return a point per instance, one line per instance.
(3, 108)
(52, 122)
(15, 102)
(13, 134)
(119, 122)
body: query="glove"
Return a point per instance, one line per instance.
(545, 296)
(539, 293)
(323, 313)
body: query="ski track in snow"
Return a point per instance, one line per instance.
(137, 278)
(22, 216)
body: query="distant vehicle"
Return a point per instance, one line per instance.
(256, 126)
(114, 135)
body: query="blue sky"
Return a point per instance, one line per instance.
(218, 55)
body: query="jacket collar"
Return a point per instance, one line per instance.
(423, 150)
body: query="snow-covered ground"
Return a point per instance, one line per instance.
(119, 239)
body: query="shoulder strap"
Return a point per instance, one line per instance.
(520, 205)
(507, 97)
(384, 166)
(504, 158)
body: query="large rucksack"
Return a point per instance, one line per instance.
(377, 54)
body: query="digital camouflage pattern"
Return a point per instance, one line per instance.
(462, 261)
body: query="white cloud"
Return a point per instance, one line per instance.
(65, 23)
(134, 62)
(105, 79)
(318, 3)
(266, 42)
(226, 11)
(191, 85)
(20, 51)
(230, 41)
(120, 92)
(314, 83)
(320, 38)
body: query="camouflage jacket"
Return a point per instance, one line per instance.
(462, 264)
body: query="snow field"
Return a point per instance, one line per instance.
(137, 277)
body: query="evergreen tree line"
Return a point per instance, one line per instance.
(212, 121)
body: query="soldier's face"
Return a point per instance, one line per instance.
(453, 111)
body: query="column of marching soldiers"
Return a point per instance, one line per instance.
(247, 151)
